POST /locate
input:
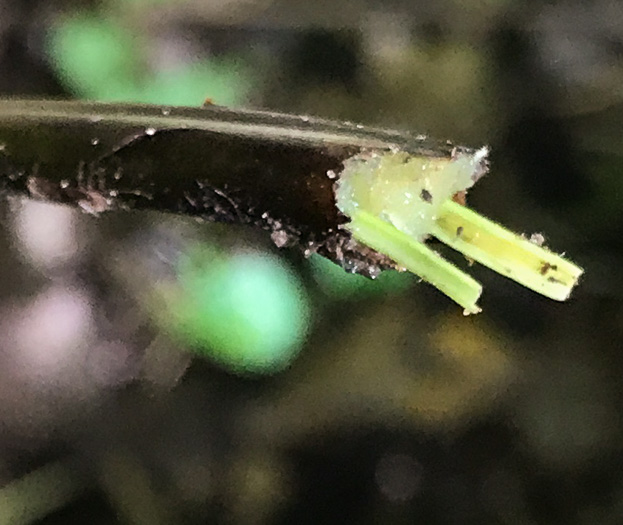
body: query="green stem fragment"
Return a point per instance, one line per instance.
(505, 252)
(395, 200)
(416, 257)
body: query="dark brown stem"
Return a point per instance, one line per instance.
(270, 170)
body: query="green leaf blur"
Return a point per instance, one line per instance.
(247, 310)
(99, 59)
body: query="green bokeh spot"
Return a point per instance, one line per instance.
(96, 58)
(99, 59)
(248, 311)
(337, 284)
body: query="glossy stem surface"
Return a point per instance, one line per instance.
(270, 170)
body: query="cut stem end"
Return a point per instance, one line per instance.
(416, 257)
(505, 252)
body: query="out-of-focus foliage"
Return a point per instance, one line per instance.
(382, 403)
(245, 309)
(100, 59)
(339, 286)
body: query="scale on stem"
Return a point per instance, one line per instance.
(395, 200)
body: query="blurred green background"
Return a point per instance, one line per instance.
(157, 370)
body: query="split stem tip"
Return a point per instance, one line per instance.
(505, 252)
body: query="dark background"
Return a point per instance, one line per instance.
(397, 409)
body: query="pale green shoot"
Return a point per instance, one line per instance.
(396, 200)
(418, 258)
(505, 252)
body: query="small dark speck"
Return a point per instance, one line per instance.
(546, 267)
(554, 280)
(459, 231)
(426, 196)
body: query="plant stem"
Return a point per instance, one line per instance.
(265, 169)
(416, 257)
(277, 172)
(505, 252)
